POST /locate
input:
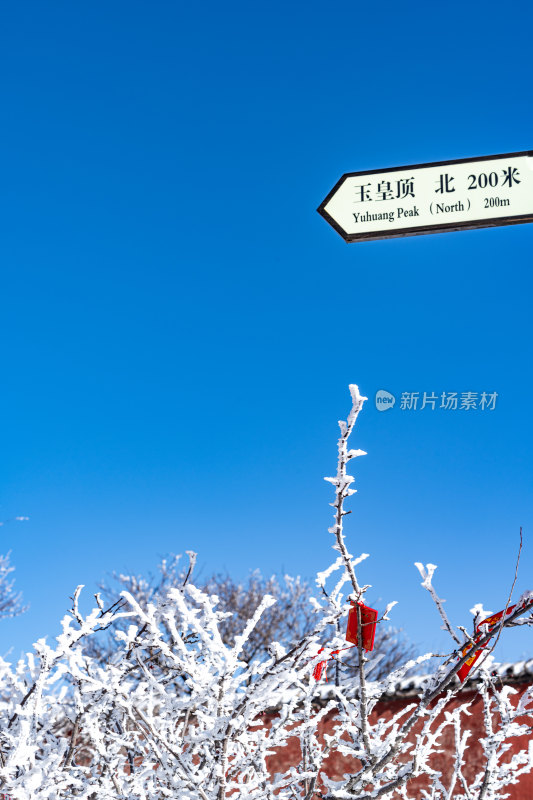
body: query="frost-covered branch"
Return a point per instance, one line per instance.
(191, 703)
(426, 573)
(342, 483)
(10, 601)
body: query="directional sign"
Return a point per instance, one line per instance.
(432, 198)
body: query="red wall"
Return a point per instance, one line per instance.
(336, 765)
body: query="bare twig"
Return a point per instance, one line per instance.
(501, 625)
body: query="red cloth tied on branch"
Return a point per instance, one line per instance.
(369, 617)
(322, 666)
(491, 623)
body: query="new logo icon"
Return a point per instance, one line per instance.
(384, 400)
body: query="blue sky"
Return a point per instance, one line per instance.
(179, 326)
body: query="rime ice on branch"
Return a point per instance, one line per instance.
(177, 712)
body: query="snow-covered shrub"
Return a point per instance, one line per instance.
(179, 713)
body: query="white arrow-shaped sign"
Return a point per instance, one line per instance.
(431, 198)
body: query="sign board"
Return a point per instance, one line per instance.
(432, 198)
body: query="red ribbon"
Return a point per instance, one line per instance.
(322, 666)
(491, 622)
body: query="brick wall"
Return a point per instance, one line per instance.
(337, 765)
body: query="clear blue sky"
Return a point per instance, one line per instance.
(179, 325)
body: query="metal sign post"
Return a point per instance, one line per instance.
(432, 198)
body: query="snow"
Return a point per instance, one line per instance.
(177, 713)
